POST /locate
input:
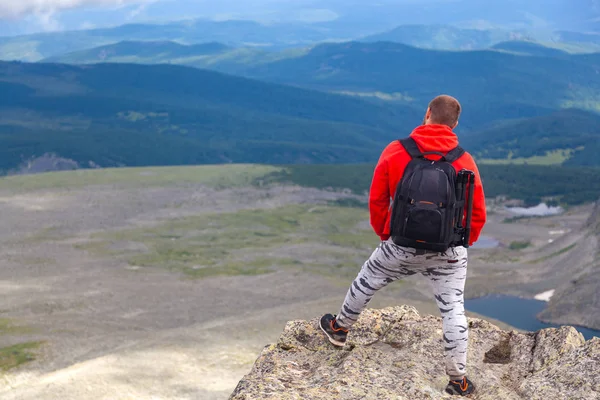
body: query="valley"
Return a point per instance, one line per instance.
(337, 104)
(118, 275)
(180, 179)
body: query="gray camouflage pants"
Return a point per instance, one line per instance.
(447, 273)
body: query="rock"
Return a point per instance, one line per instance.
(395, 353)
(551, 344)
(46, 163)
(575, 300)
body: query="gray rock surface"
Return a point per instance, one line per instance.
(577, 300)
(395, 353)
(46, 163)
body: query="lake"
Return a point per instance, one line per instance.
(486, 242)
(517, 312)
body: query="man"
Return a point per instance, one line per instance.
(447, 270)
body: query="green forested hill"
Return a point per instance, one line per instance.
(516, 80)
(101, 113)
(568, 136)
(492, 85)
(124, 114)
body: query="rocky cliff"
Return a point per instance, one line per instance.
(395, 353)
(577, 300)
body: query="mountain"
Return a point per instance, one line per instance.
(349, 18)
(511, 99)
(231, 33)
(214, 56)
(539, 15)
(492, 85)
(579, 37)
(443, 24)
(570, 137)
(126, 114)
(239, 60)
(446, 37)
(449, 37)
(582, 285)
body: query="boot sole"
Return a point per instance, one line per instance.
(453, 392)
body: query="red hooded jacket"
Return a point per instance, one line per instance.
(390, 169)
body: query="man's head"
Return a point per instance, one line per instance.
(443, 110)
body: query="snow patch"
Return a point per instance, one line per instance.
(545, 296)
(540, 210)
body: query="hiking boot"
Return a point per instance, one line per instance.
(460, 388)
(335, 334)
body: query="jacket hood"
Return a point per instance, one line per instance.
(435, 138)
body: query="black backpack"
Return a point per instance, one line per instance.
(428, 206)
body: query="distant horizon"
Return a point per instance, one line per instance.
(29, 16)
(154, 22)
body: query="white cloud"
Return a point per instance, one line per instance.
(45, 9)
(47, 22)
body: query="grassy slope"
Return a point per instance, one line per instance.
(16, 355)
(200, 246)
(215, 176)
(572, 185)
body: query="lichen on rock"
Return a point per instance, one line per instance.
(395, 353)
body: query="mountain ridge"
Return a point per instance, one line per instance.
(185, 108)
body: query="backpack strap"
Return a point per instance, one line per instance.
(413, 150)
(454, 154)
(411, 147)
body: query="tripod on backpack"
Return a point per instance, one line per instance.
(464, 181)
